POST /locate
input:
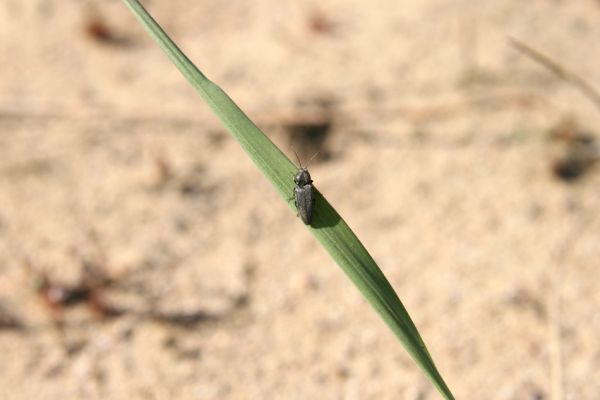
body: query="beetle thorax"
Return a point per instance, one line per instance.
(302, 177)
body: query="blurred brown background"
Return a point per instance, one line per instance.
(143, 256)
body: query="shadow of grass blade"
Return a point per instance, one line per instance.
(327, 226)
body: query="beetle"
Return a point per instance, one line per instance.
(304, 197)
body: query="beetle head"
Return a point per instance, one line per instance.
(302, 177)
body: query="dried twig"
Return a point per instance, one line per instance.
(557, 278)
(588, 90)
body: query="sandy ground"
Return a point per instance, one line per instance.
(143, 256)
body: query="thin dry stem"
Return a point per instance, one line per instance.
(555, 302)
(584, 87)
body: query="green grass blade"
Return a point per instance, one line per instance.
(327, 226)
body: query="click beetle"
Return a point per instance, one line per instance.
(304, 197)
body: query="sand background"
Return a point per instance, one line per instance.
(434, 140)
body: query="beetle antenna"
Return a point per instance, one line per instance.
(297, 158)
(312, 158)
